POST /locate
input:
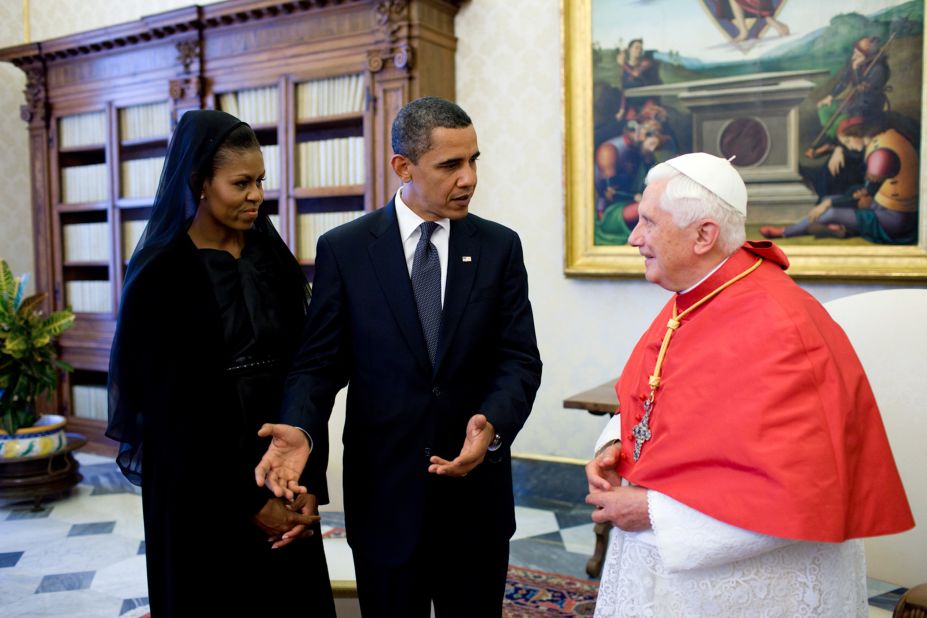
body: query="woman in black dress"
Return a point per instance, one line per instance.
(212, 306)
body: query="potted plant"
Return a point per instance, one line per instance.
(29, 368)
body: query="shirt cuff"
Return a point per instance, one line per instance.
(611, 433)
(308, 437)
(688, 539)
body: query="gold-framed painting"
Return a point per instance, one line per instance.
(820, 104)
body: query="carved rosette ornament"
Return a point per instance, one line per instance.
(36, 107)
(391, 17)
(374, 61)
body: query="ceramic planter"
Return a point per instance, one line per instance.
(46, 437)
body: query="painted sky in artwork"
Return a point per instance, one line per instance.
(685, 26)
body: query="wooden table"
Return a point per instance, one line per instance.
(600, 400)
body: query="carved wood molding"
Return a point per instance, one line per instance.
(188, 52)
(186, 88)
(36, 109)
(392, 18)
(228, 13)
(147, 29)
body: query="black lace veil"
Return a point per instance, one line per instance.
(190, 154)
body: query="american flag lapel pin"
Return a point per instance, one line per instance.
(466, 258)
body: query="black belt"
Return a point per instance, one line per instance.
(249, 363)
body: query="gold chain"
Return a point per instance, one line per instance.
(674, 322)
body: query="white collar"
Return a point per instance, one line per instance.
(710, 273)
(409, 222)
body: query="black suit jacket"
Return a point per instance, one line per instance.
(363, 330)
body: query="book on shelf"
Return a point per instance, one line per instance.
(311, 226)
(132, 231)
(84, 183)
(89, 401)
(271, 167)
(89, 296)
(255, 106)
(139, 177)
(86, 242)
(87, 129)
(331, 163)
(330, 97)
(147, 121)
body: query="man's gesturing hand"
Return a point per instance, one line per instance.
(480, 434)
(283, 463)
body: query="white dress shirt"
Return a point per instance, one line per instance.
(409, 232)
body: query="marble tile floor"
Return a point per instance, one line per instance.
(84, 554)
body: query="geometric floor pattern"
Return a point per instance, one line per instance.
(83, 556)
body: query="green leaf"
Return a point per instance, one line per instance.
(58, 322)
(16, 345)
(7, 281)
(31, 304)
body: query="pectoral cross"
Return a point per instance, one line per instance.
(641, 431)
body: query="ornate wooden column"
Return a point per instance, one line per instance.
(389, 65)
(37, 112)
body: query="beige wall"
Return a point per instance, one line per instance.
(508, 78)
(15, 211)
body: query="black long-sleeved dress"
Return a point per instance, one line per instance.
(205, 343)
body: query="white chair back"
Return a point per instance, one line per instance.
(888, 328)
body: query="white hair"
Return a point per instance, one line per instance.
(688, 201)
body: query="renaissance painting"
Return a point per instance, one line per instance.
(817, 104)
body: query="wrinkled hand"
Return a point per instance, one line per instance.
(284, 460)
(283, 522)
(836, 161)
(624, 507)
(815, 213)
(601, 472)
(480, 434)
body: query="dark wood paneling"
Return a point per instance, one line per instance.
(403, 48)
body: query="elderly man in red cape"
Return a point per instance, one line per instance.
(748, 456)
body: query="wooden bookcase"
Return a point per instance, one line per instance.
(319, 81)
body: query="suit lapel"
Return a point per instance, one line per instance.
(463, 260)
(388, 259)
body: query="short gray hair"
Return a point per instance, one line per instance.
(688, 201)
(411, 133)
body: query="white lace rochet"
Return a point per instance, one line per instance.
(690, 564)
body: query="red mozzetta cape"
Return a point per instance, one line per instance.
(764, 418)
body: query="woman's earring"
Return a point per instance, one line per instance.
(202, 197)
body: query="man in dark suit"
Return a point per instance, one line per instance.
(422, 309)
